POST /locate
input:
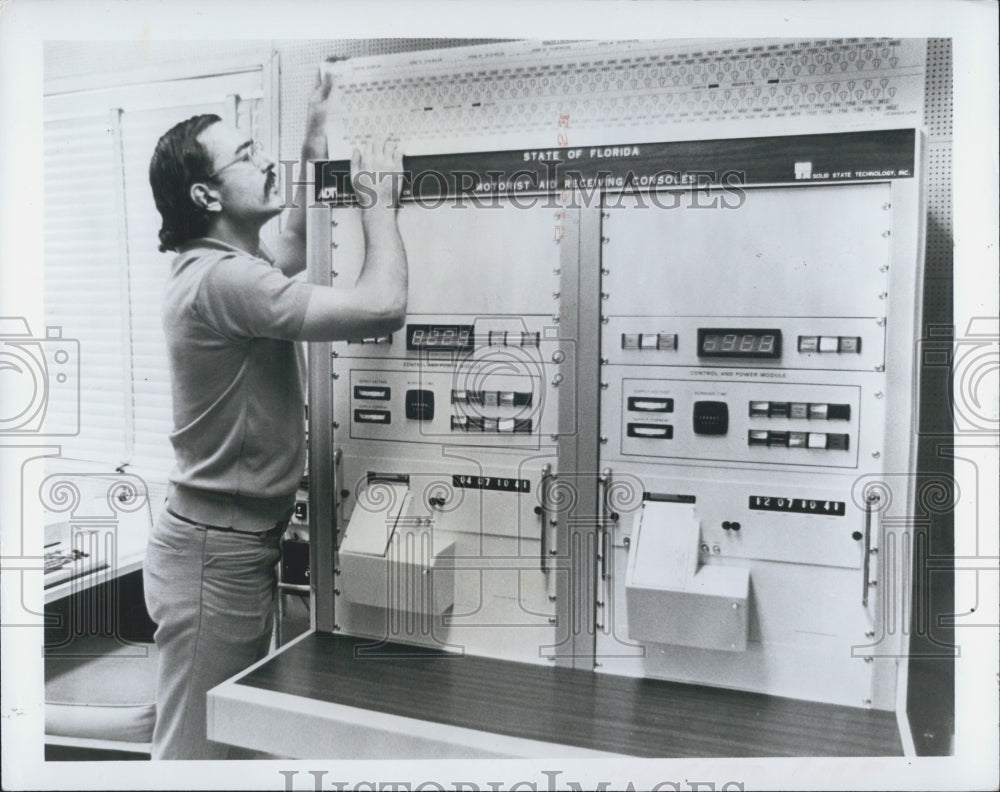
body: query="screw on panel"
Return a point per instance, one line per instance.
(884, 268)
(334, 274)
(880, 368)
(554, 437)
(886, 206)
(556, 271)
(334, 353)
(883, 295)
(336, 424)
(604, 361)
(885, 233)
(881, 321)
(605, 320)
(605, 271)
(334, 245)
(870, 634)
(605, 295)
(879, 395)
(336, 375)
(604, 441)
(869, 659)
(605, 214)
(605, 240)
(336, 592)
(605, 385)
(876, 454)
(555, 295)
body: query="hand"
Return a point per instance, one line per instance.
(377, 174)
(314, 146)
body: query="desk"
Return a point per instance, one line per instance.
(328, 696)
(90, 553)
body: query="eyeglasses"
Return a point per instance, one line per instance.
(252, 153)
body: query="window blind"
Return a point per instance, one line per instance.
(103, 274)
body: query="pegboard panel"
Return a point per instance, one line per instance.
(939, 209)
(940, 225)
(519, 88)
(938, 98)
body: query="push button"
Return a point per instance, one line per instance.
(808, 343)
(798, 410)
(837, 442)
(817, 440)
(630, 340)
(818, 411)
(829, 343)
(849, 344)
(759, 409)
(666, 341)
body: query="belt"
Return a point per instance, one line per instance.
(277, 530)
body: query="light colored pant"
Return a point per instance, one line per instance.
(211, 595)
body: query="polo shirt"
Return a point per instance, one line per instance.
(237, 382)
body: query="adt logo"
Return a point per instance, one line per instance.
(39, 379)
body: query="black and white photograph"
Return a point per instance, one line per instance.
(480, 396)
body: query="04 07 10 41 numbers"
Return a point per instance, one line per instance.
(497, 483)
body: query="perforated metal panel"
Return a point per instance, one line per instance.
(299, 64)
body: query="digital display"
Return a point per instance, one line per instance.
(739, 342)
(439, 336)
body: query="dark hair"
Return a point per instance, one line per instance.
(178, 161)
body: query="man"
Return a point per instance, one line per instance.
(232, 315)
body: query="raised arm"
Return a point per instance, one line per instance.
(376, 304)
(290, 249)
